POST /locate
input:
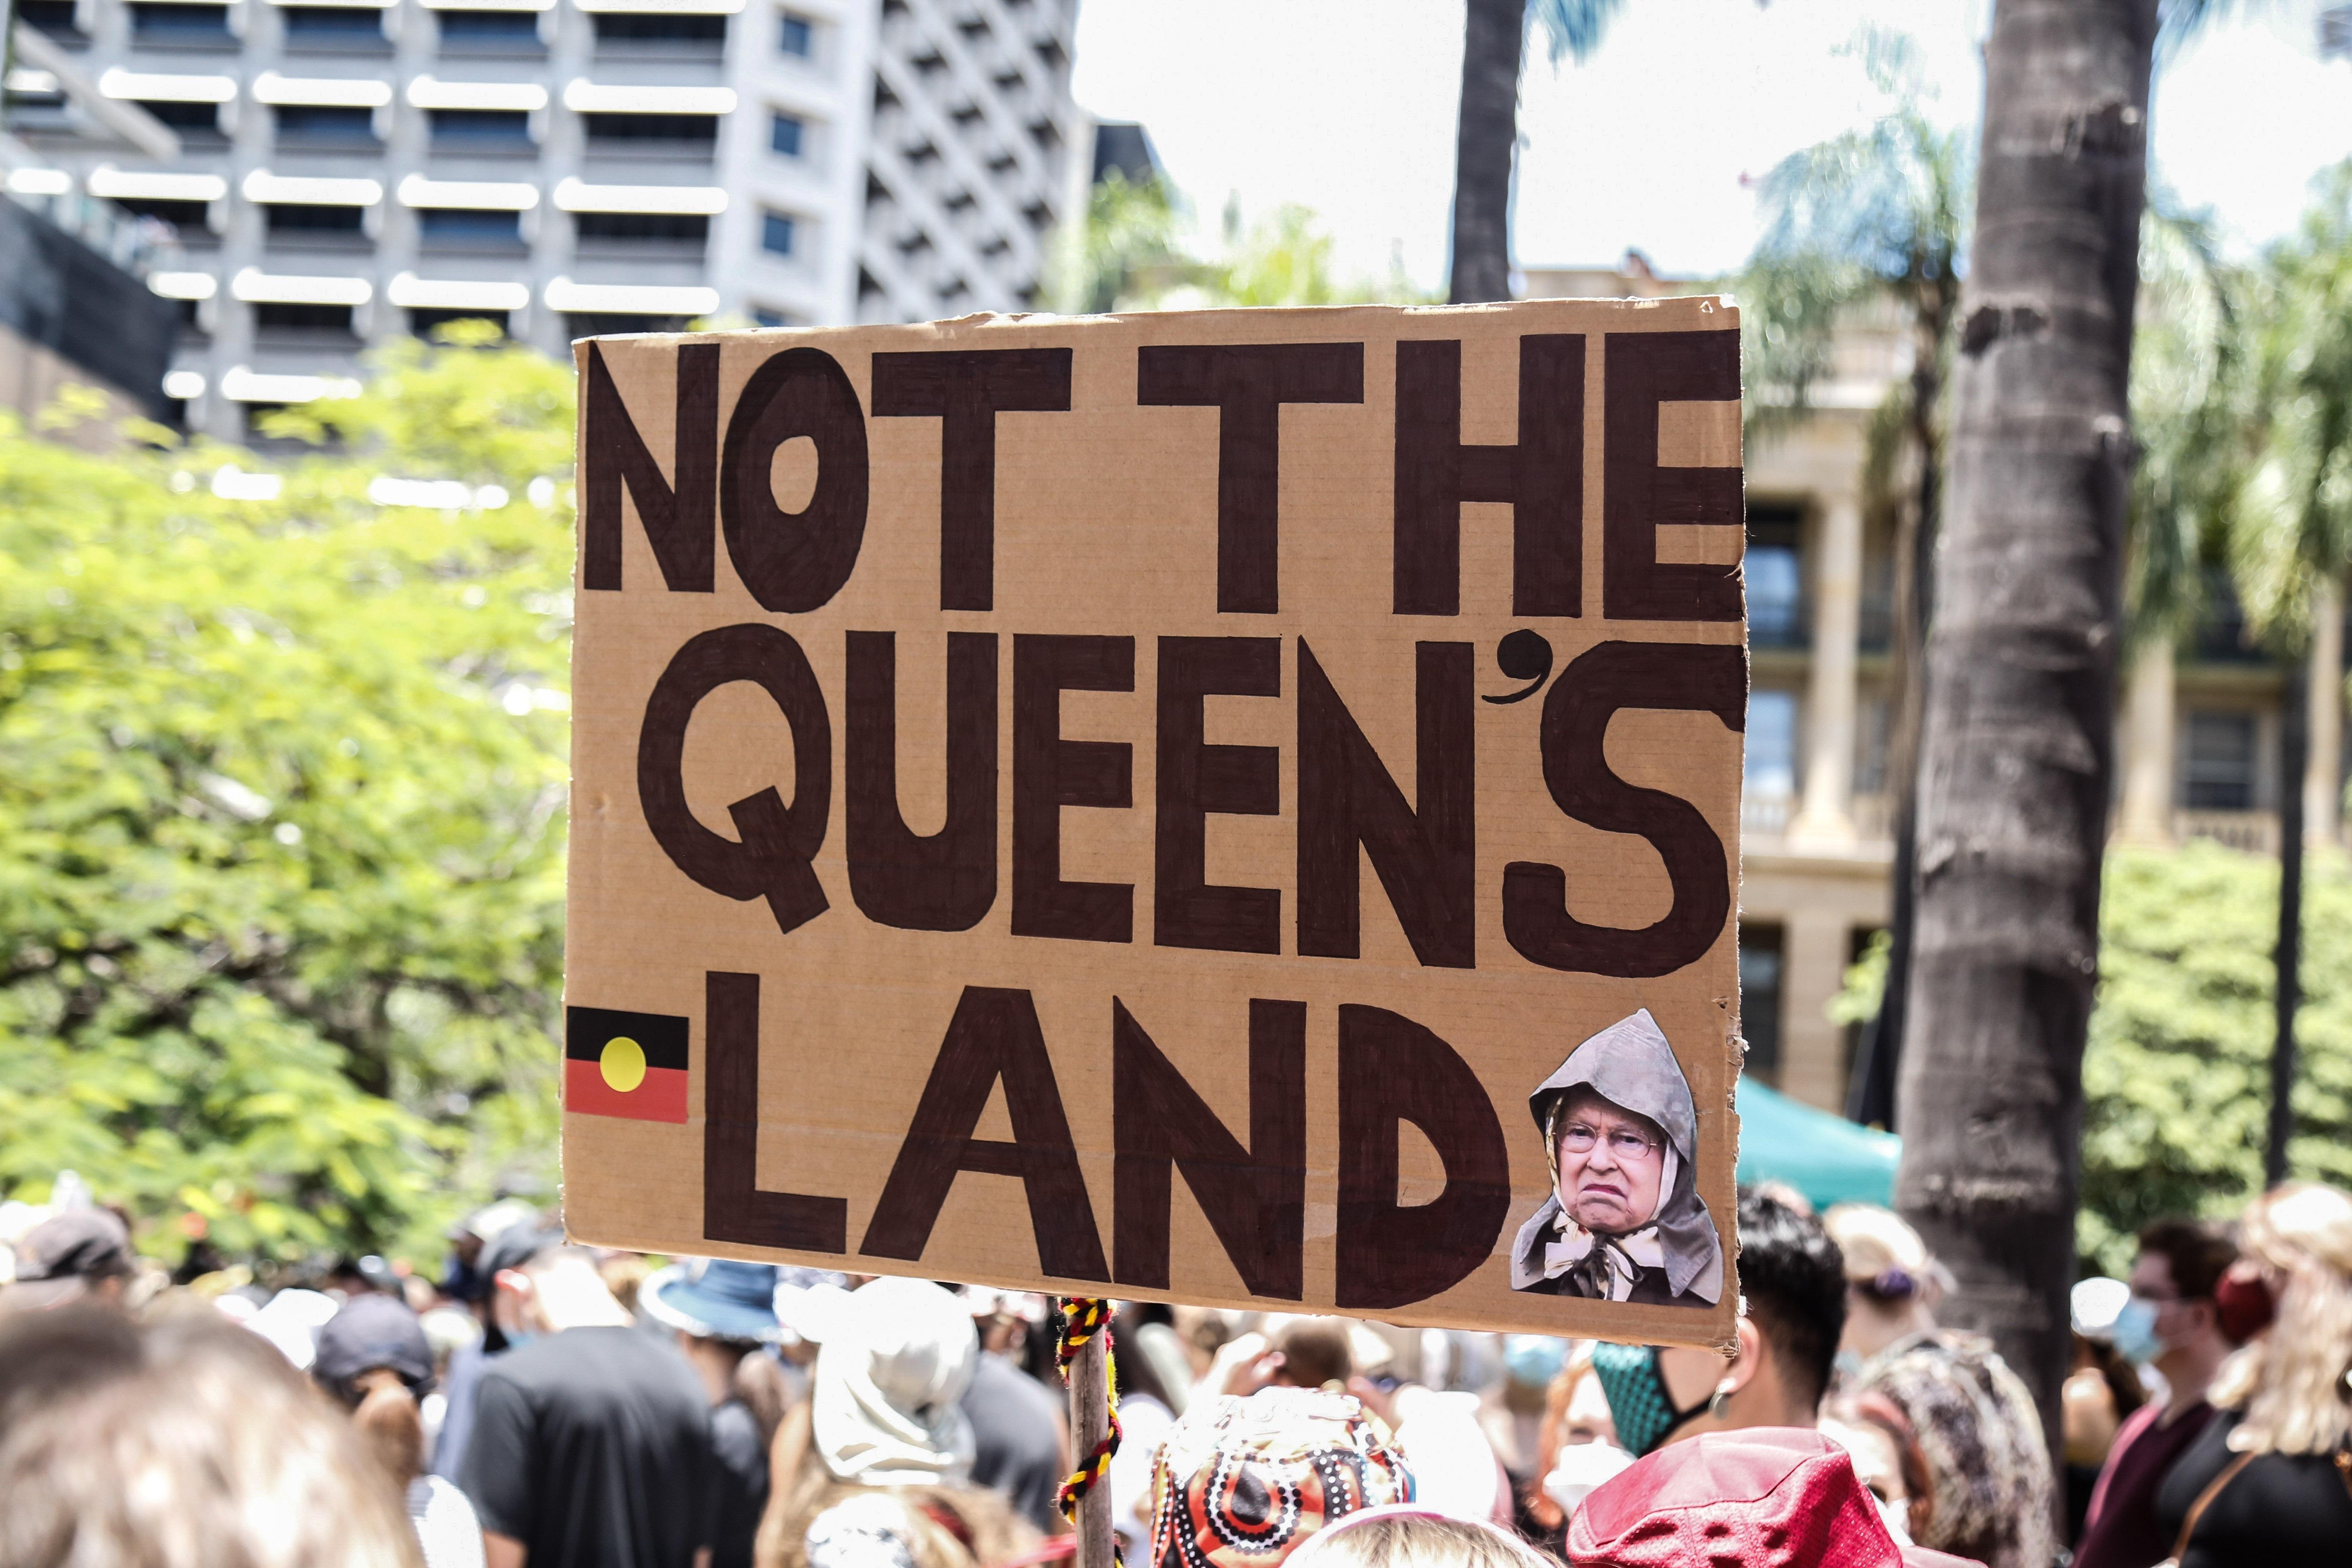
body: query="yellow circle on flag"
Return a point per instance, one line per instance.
(623, 1063)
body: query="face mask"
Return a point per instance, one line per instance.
(1583, 1467)
(2134, 1333)
(2242, 1303)
(1644, 1412)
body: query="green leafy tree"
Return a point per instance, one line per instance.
(1123, 248)
(281, 827)
(2176, 1076)
(1130, 254)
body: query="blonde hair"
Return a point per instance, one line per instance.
(188, 1442)
(2291, 1382)
(1417, 1540)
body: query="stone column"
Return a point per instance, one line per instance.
(1812, 968)
(2322, 791)
(1826, 814)
(2146, 813)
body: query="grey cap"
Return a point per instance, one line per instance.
(61, 1256)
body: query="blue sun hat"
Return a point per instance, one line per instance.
(715, 1297)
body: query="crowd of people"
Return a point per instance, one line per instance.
(542, 1403)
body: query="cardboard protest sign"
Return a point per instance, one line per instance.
(1239, 808)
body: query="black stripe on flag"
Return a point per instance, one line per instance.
(588, 1030)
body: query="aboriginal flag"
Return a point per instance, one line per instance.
(625, 1064)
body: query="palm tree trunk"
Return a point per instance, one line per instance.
(2287, 997)
(1491, 38)
(2017, 757)
(1870, 1098)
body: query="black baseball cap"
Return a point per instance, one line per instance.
(516, 1245)
(371, 1331)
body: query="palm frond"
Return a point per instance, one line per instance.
(1572, 29)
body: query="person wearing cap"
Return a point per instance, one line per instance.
(722, 1311)
(884, 1417)
(1763, 1497)
(81, 1255)
(590, 1446)
(372, 1357)
(1247, 1483)
(1625, 1221)
(462, 1277)
(524, 1237)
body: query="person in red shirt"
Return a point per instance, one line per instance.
(2171, 1324)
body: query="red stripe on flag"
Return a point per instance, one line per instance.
(660, 1098)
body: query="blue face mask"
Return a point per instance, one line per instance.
(1640, 1406)
(2134, 1333)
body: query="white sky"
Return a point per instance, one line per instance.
(1347, 106)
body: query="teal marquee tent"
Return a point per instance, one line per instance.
(1825, 1157)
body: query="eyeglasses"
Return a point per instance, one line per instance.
(1578, 1138)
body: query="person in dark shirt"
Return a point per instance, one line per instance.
(2173, 1324)
(722, 1311)
(591, 1443)
(2269, 1481)
(1020, 1452)
(509, 1248)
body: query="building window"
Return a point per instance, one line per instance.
(2221, 634)
(188, 219)
(689, 134)
(153, 22)
(481, 129)
(649, 227)
(1768, 769)
(516, 28)
(784, 135)
(54, 17)
(336, 124)
(332, 24)
(610, 323)
(197, 117)
(1760, 999)
(303, 217)
(469, 226)
(794, 35)
(775, 233)
(273, 317)
(1775, 576)
(2220, 774)
(659, 28)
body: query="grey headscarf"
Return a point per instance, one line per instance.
(1629, 1064)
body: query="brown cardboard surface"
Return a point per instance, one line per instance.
(1106, 525)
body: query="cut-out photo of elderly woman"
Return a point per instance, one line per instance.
(1624, 1221)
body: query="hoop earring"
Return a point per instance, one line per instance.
(1723, 1391)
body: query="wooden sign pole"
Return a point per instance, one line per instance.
(1089, 1424)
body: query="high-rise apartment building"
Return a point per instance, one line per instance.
(344, 172)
